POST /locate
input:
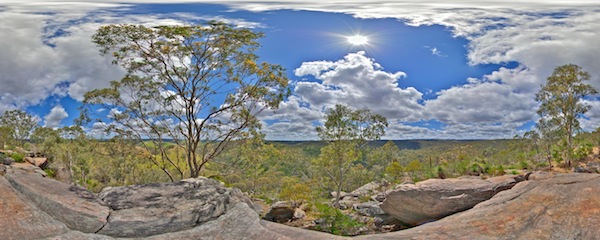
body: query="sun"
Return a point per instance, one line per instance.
(357, 40)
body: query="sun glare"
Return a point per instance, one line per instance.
(358, 40)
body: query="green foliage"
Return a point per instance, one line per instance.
(335, 221)
(294, 191)
(380, 158)
(6, 136)
(19, 126)
(497, 170)
(18, 157)
(394, 172)
(175, 78)
(347, 132)
(51, 173)
(561, 105)
(413, 169)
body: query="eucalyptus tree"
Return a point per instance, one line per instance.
(347, 131)
(561, 103)
(198, 86)
(20, 123)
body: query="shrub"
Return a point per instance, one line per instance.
(18, 157)
(335, 221)
(51, 173)
(497, 170)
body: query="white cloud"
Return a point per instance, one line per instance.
(360, 82)
(48, 45)
(55, 116)
(50, 49)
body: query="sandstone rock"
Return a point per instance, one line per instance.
(77, 235)
(372, 209)
(22, 221)
(299, 214)
(37, 161)
(342, 194)
(367, 189)
(564, 206)
(241, 222)
(55, 198)
(280, 212)
(297, 233)
(8, 161)
(150, 209)
(433, 199)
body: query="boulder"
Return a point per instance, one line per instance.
(8, 161)
(37, 161)
(55, 198)
(280, 212)
(429, 200)
(150, 209)
(366, 189)
(24, 221)
(564, 206)
(241, 222)
(334, 194)
(372, 209)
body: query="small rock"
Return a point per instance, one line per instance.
(367, 189)
(299, 214)
(342, 194)
(378, 197)
(8, 161)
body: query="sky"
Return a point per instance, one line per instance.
(435, 69)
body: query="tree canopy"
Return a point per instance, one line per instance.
(561, 103)
(199, 86)
(19, 123)
(347, 131)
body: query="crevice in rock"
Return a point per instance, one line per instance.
(107, 220)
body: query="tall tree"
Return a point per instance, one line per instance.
(199, 86)
(21, 123)
(346, 131)
(561, 104)
(6, 136)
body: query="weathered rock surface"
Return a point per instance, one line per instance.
(372, 209)
(280, 212)
(548, 206)
(560, 206)
(433, 199)
(150, 209)
(37, 161)
(22, 221)
(78, 212)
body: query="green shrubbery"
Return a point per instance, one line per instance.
(18, 157)
(335, 221)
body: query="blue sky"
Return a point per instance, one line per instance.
(435, 69)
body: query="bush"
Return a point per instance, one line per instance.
(497, 170)
(334, 221)
(51, 173)
(18, 157)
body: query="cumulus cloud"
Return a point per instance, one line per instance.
(360, 82)
(50, 49)
(356, 80)
(55, 116)
(54, 56)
